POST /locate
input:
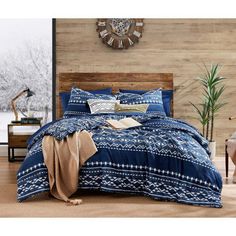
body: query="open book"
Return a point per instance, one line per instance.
(123, 123)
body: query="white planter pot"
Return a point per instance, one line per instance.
(212, 147)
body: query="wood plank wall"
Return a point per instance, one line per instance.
(176, 46)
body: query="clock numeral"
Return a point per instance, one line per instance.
(104, 33)
(120, 44)
(110, 41)
(137, 34)
(130, 41)
(102, 23)
(139, 23)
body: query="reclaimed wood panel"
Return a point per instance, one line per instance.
(93, 81)
(175, 46)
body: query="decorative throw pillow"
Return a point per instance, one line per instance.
(65, 96)
(102, 106)
(131, 108)
(153, 98)
(167, 96)
(78, 105)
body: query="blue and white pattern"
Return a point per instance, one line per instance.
(65, 96)
(167, 96)
(153, 98)
(77, 104)
(102, 106)
(165, 158)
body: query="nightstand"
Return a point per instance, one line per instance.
(17, 139)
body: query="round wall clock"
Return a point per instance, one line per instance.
(120, 33)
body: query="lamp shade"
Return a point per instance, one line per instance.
(29, 93)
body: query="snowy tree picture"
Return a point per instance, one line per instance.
(26, 64)
(30, 67)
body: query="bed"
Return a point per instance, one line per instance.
(165, 158)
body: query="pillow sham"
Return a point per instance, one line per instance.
(102, 106)
(153, 98)
(77, 104)
(131, 108)
(65, 96)
(167, 96)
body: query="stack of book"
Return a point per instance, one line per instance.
(30, 120)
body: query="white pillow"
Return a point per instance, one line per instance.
(102, 106)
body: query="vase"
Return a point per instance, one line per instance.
(212, 147)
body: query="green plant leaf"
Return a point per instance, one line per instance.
(212, 92)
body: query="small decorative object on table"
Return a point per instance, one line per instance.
(31, 120)
(211, 103)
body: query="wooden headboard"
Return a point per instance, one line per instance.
(94, 81)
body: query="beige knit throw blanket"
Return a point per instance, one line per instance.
(63, 160)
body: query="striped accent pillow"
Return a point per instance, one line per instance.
(102, 106)
(131, 108)
(153, 98)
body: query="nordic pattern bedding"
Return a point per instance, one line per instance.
(167, 96)
(152, 97)
(165, 158)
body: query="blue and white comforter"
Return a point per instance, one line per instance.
(165, 159)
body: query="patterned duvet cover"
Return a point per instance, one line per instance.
(165, 159)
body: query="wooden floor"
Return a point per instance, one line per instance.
(8, 171)
(107, 205)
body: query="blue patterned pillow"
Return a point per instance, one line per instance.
(167, 96)
(65, 96)
(77, 104)
(153, 98)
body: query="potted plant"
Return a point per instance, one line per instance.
(207, 110)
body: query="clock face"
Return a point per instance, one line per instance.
(120, 33)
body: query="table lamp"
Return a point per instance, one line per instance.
(28, 94)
